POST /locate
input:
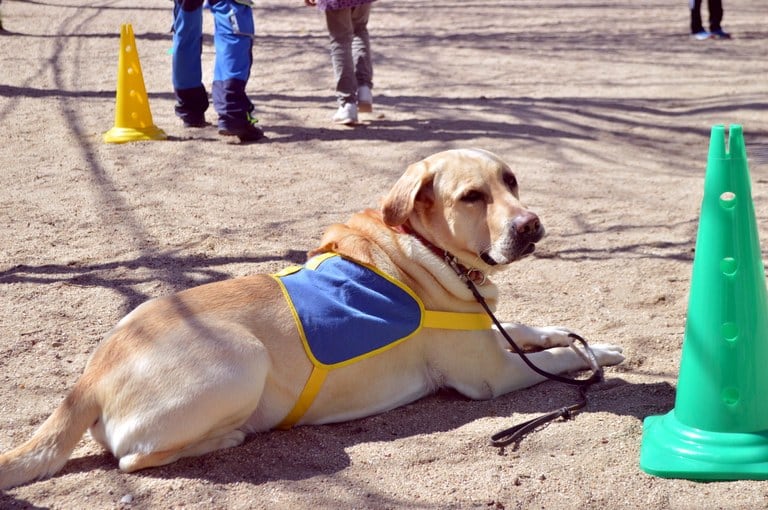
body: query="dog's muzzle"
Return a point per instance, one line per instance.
(518, 241)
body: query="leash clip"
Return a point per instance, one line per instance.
(466, 275)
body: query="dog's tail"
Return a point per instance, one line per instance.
(51, 445)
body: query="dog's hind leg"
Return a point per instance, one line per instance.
(136, 461)
(188, 393)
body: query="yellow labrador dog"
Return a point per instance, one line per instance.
(196, 371)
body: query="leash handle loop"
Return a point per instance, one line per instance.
(514, 434)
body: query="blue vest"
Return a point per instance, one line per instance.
(346, 311)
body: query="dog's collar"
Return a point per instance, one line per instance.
(465, 273)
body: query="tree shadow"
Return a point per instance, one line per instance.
(8, 502)
(178, 271)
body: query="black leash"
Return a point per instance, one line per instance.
(516, 433)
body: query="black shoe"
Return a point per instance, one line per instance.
(247, 133)
(193, 122)
(720, 34)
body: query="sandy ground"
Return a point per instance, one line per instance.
(603, 109)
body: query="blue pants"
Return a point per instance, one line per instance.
(233, 27)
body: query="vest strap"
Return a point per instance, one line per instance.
(308, 394)
(456, 320)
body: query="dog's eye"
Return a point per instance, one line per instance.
(472, 196)
(510, 181)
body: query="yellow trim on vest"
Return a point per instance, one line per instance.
(456, 320)
(307, 397)
(311, 264)
(315, 261)
(433, 319)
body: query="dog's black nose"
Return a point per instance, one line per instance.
(527, 225)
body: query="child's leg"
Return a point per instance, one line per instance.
(696, 23)
(233, 42)
(186, 69)
(361, 46)
(715, 15)
(340, 31)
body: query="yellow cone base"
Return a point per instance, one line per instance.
(126, 134)
(671, 449)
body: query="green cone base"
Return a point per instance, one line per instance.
(671, 449)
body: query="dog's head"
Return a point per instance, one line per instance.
(465, 202)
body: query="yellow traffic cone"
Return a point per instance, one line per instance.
(133, 120)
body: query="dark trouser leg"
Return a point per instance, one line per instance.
(696, 24)
(186, 68)
(715, 14)
(232, 39)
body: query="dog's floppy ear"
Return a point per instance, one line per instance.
(412, 186)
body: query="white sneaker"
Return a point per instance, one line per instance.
(702, 36)
(364, 99)
(346, 114)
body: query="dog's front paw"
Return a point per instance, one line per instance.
(608, 354)
(539, 337)
(554, 336)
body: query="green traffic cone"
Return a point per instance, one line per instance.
(718, 429)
